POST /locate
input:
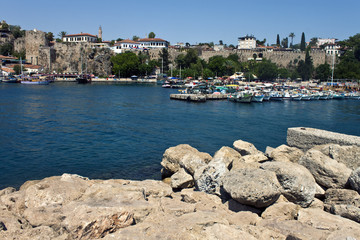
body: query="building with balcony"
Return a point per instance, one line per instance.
(247, 42)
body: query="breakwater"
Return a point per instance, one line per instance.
(238, 192)
(120, 130)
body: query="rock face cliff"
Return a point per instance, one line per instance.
(240, 193)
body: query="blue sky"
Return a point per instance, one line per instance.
(189, 21)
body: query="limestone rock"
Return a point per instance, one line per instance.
(174, 156)
(191, 162)
(348, 155)
(245, 148)
(209, 177)
(227, 155)
(285, 153)
(343, 202)
(268, 150)
(354, 180)
(298, 185)
(253, 187)
(326, 171)
(181, 179)
(254, 158)
(241, 164)
(281, 211)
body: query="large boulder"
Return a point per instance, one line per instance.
(254, 187)
(327, 172)
(285, 153)
(343, 202)
(175, 155)
(181, 179)
(227, 155)
(245, 148)
(298, 185)
(209, 177)
(354, 180)
(348, 155)
(254, 158)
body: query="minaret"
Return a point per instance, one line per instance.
(100, 33)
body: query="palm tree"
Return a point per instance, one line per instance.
(62, 34)
(292, 35)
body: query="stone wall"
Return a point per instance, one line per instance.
(67, 57)
(34, 40)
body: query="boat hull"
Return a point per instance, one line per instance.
(35, 82)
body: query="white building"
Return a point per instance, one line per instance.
(322, 41)
(247, 42)
(332, 49)
(218, 47)
(148, 43)
(141, 44)
(81, 37)
(124, 45)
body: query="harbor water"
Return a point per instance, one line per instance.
(104, 131)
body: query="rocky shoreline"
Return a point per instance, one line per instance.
(288, 192)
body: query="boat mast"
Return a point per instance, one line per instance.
(332, 72)
(21, 67)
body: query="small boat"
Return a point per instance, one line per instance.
(296, 97)
(242, 97)
(338, 96)
(305, 97)
(257, 97)
(83, 79)
(275, 96)
(34, 81)
(10, 80)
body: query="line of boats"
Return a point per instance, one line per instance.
(41, 79)
(301, 95)
(269, 92)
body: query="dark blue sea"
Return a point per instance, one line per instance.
(104, 131)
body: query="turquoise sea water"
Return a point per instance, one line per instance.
(121, 130)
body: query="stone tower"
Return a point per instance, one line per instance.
(100, 33)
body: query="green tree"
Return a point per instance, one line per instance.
(135, 38)
(313, 41)
(266, 70)
(16, 31)
(292, 35)
(323, 72)
(4, 26)
(17, 69)
(151, 35)
(62, 34)
(305, 68)
(217, 65)
(261, 43)
(21, 54)
(285, 43)
(6, 49)
(278, 40)
(302, 43)
(49, 36)
(127, 63)
(190, 57)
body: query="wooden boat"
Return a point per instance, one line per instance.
(34, 81)
(242, 97)
(83, 79)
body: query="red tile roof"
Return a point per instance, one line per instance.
(80, 34)
(6, 57)
(25, 66)
(151, 40)
(8, 70)
(128, 41)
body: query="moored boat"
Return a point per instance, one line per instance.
(83, 78)
(242, 97)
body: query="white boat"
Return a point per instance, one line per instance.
(34, 81)
(296, 97)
